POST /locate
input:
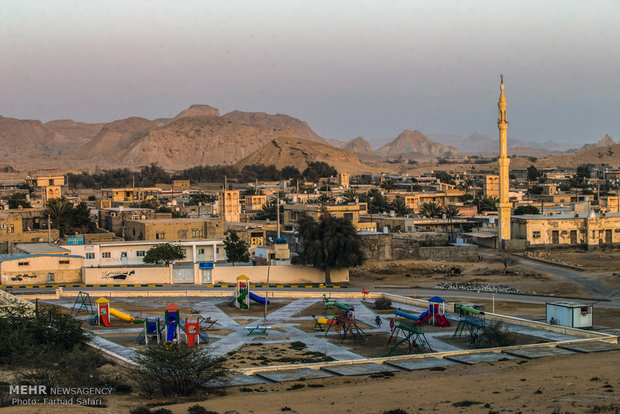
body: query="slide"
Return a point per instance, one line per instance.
(241, 299)
(406, 315)
(442, 321)
(424, 318)
(171, 331)
(121, 315)
(325, 321)
(258, 299)
(105, 318)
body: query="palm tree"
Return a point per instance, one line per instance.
(388, 185)
(431, 209)
(268, 212)
(58, 209)
(399, 207)
(451, 211)
(349, 196)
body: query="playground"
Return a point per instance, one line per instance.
(307, 329)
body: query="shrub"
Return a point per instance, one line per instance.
(198, 409)
(497, 335)
(177, 370)
(383, 303)
(140, 410)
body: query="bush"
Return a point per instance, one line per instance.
(197, 409)
(497, 335)
(140, 410)
(178, 370)
(383, 303)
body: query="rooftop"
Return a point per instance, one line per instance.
(34, 248)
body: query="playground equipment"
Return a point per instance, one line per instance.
(320, 321)
(344, 322)
(243, 294)
(412, 330)
(434, 313)
(471, 319)
(102, 317)
(84, 300)
(172, 329)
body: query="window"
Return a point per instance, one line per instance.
(63, 262)
(160, 235)
(348, 216)
(536, 235)
(123, 254)
(50, 277)
(217, 250)
(90, 256)
(197, 233)
(140, 253)
(23, 263)
(106, 255)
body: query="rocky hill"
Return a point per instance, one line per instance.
(22, 138)
(265, 121)
(359, 146)
(198, 111)
(415, 145)
(285, 151)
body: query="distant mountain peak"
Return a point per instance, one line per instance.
(198, 111)
(359, 146)
(416, 144)
(605, 141)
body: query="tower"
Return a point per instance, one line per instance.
(504, 162)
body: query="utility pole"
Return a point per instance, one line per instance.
(49, 229)
(278, 214)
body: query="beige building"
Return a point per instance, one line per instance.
(23, 226)
(174, 229)
(491, 186)
(343, 179)
(129, 194)
(47, 187)
(293, 212)
(609, 204)
(30, 269)
(229, 204)
(254, 202)
(415, 201)
(589, 230)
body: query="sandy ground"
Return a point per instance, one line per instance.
(549, 385)
(601, 260)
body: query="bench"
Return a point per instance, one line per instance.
(258, 329)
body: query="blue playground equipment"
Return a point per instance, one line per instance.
(83, 298)
(411, 328)
(471, 319)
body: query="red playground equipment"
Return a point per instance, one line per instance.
(435, 313)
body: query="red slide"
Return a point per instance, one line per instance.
(105, 316)
(442, 321)
(424, 319)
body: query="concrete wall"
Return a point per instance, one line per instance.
(140, 275)
(456, 253)
(278, 274)
(35, 270)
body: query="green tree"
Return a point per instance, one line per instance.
(399, 207)
(78, 217)
(431, 209)
(202, 198)
(584, 171)
(388, 185)
(17, 200)
(536, 189)
(317, 170)
(268, 211)
(532, 173)
(236, 249)
(59, 210)
(330, 243)
(349, 196)
(376, 202)
(289, 172)
(444, 177)
(451, 211)
(164, 253)
(529, 209)
(486, 203)
(325, 199)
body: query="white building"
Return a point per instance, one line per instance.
(122, 253)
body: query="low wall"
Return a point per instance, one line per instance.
(133, 275)
(449, 253)
(278, 274)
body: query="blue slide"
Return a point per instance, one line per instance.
(172, 328)
(258, 299)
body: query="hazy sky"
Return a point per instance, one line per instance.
(349, 68)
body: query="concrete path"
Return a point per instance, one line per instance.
(209, 310)
(286, 312)
(320, 344)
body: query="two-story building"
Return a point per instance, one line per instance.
(174, 229)
(293, 212)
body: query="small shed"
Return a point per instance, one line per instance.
(571, 314)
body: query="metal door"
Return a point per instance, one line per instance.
(183, 274)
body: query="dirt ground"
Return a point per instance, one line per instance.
(258, 354)
(254, 310)
(548, 385)
(601, 260)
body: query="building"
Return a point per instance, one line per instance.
(174, 229)
(24, 226)
(587, 230)
(230, 207)
(131, 253)
(31, 269)
(254, 202)
(115, 219)
(293, 212)
(609, 204)
(343, 179)
(491, 186)
(417, 200)
(131, 194)
(46, 187)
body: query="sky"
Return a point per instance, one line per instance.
(348, 68)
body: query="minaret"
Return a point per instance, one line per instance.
(504, 180)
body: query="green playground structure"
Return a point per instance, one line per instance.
(412, 333)
(342, 318)
(472, 320)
